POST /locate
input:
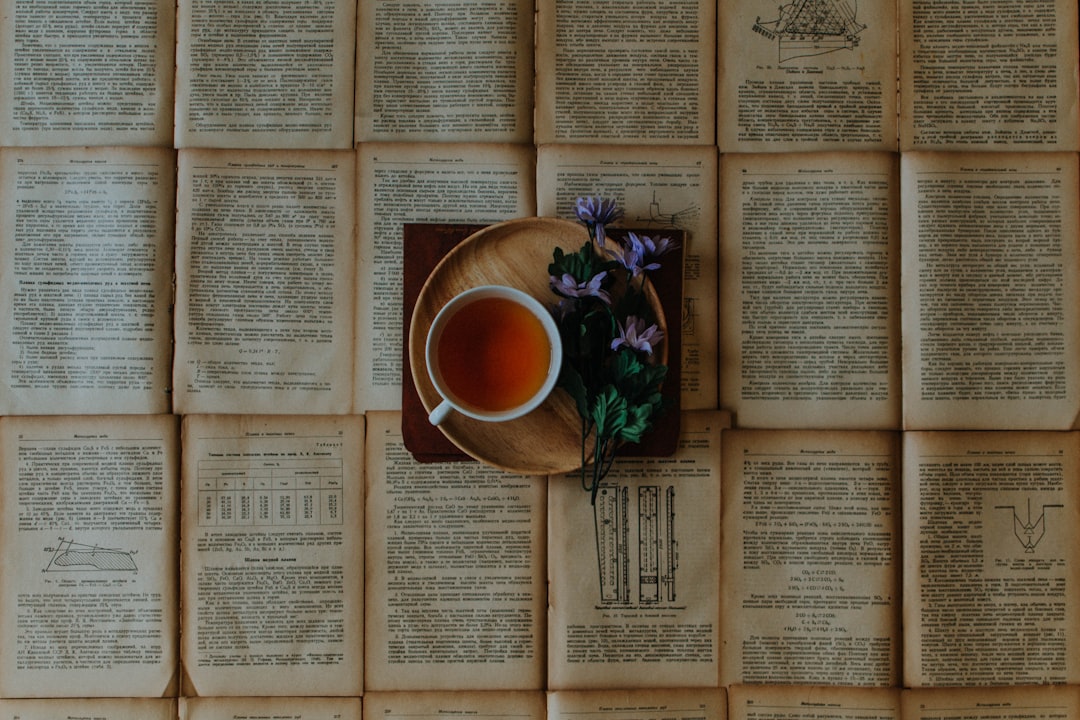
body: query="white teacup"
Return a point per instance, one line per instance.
(493, 353)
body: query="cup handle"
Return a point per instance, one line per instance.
(440, 413)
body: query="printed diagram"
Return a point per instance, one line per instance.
(1027, 530)
(652, 516)
(70, 556)
(663, 217)
(806, 28)
(689, 316)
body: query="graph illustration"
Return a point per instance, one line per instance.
(1029, 531)
(807, 28)
(71, 556)
(643, 521)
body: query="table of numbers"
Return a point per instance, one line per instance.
(278, 492)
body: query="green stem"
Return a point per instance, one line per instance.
(584, 437)
(596, 469)
(603, 459)
(610, 458)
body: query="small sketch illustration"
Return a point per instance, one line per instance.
(806, 28)
(70, 556)
(689, 316)
(657, 547)
(662, 217)
(1027, 530)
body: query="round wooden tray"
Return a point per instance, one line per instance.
(515, 253)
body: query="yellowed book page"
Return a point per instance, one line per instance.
(440, 705)
(1000, 77)
(1024, 702)
(811, 558)
(99, 76)
(802, 76)
(86, 237)
(264, 282)
(640, 74)
(444, 70)
(658, 188)
(271, 74)
(88, 523)
(991, 558)
(812, 702)
(411, 183)
(96, 708)
(455, 589)
(990, 291)
(273, 548)
(634, 579)
(810, 290)
(637, 704)
(263, 708)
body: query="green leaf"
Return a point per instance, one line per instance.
(654, 375)
(570, 380)
(583, 264)
(627, 365)
(557, 264)
(609, 413)
(580, 264)
(638, 422)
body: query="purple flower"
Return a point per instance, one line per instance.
(657, 247)
(636, 336)
(631, 255)
(596, 212)
(639, 250)
(568, 286)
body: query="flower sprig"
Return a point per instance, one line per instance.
(609, 335)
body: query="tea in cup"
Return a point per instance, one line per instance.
(493, 353)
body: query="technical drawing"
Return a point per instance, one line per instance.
(1028, 531)
(648, 545)
(657, 547)
(806, 28)
(666, 218)
(689, 315)
(610, 515)
(70, 556)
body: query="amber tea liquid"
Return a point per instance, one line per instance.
(494, 354)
